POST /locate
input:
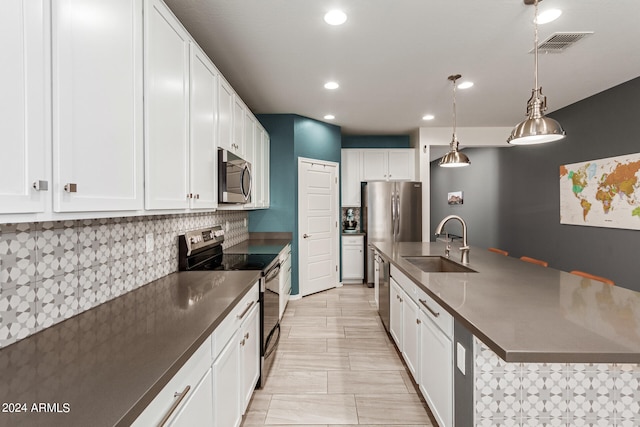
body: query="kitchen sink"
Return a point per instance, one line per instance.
(437, 264)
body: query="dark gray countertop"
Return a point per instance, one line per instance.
(109, 363)
(258, 246)
(528, 313)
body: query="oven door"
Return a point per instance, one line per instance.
(234, 176)
(270, 320)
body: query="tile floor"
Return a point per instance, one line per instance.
(336, 366)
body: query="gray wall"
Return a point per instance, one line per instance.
(512, 194)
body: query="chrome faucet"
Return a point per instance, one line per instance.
(464, 249)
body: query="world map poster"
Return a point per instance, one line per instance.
(601, 193)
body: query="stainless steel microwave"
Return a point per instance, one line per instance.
(234, 178)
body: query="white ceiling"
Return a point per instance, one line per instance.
(392, 57)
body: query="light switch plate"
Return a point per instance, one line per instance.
(460, 358)
(149, 243)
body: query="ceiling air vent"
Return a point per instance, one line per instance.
(559, 42)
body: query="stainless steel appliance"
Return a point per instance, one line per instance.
(234, 178)
(202, 250)
(384, 290)
(391, 212)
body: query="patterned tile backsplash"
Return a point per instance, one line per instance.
(50, 271)
(554, 394)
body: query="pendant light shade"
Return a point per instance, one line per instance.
(454, 158)
(537, 128)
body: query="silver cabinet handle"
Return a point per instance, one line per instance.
(241, 315)
(41, 185)
(242, 343)
(435, 313)
(179, 398)
(306, 236)
(246, 336)
(71, 188)
(418, 321)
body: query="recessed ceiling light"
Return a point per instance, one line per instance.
(329, 117)
(428, 117)
(465, 85)
(335, 17)
(548, 16)
(331, 85)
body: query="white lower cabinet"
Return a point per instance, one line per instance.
(197, 410)
(226, 386)
(249, 356)
(423, 332)
(352, 259)
(395, 322)
(436, 370)
(411, 336)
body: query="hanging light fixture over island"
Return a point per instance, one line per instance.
(454, 158)
(537, 128)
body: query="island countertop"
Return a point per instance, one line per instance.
(108, 363)
(528, 313)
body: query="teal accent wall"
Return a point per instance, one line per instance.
(375, 141)
(292, 136)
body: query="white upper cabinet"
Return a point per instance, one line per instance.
(401, 164)
(225, 115)
(266, 180)
(25, 141)
(238, 144)
(166, 109)
(203, 119)
(388, 165)
(97, 105)
(351, 177)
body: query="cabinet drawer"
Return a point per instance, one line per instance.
(436, 313)
(232, 322)
(352, 240)
(405, 283)
(188, 376)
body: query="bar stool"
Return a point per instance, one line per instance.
(498, 251)
(593, 277)
(534, 261)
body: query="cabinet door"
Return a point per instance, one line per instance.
(202, 145)
(238, 126)
(350, 267)
(250, 156)
(401, 164)
(225, 114)
(258, 166)
(266, 170)
(411, 336)
(250, 356)
(374, 165)
(197, 410)
(226, 386)
(376, 279)
(351, 177)
(24, 127)
(167, 108)
(395, 307)
(436, 371)
(97, 105)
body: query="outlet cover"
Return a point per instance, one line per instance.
(460, 357)
(149, 242)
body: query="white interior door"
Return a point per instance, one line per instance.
(317, 225)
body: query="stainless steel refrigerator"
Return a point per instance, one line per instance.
(391, 211)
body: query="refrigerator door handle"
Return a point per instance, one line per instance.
(397, 232)
(393, 216)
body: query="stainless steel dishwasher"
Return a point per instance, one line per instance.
(384, 290)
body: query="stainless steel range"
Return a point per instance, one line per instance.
(202, 250)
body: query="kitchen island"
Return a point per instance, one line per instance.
(549, 347)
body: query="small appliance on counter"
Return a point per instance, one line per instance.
(350, 224)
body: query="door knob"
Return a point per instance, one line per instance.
(306, 236)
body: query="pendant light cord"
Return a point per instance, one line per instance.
(535, 44)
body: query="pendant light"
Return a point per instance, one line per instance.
(537, 128)
(454, 158)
